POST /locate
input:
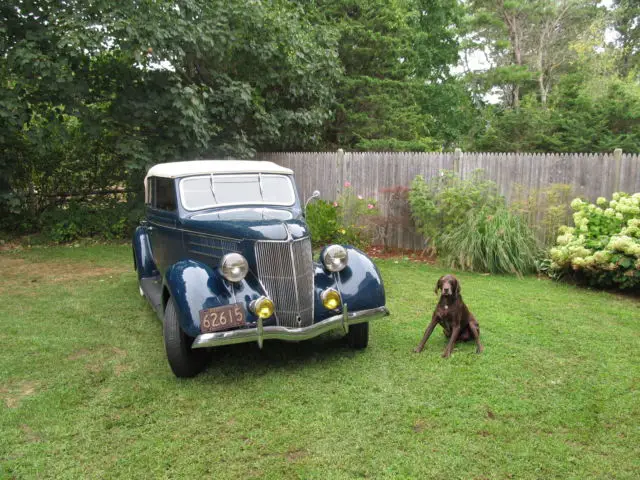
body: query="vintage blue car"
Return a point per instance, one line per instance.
(224, 256)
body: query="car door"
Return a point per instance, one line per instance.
(162, 212)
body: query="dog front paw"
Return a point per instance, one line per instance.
(446, 354)
(417, 350)
(480, 349)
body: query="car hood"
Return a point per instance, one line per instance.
(248, 224)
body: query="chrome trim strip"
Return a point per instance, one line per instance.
(345, 319)
(295, 276)
(285, 333)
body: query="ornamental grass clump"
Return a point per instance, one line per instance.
(604, 246)
(494, 241)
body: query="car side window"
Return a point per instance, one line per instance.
(150, 191)
(164, 194)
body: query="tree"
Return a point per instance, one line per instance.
(626, 21)
(396, 57)
(528, 41)
(93, 92)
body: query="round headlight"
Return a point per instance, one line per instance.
(234, 267)
(331, 299)
(335, 258)
(262, 307)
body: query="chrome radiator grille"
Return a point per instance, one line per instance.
(286, 271)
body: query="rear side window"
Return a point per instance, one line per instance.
(163, 193)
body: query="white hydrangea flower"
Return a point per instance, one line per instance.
(576, 203)
(609, 212)
(557, 255)
(578, 251)
(625, 244)
(631, 231)
(564, 239)
(619, 216)
(602, 256)
(601, 201)
(578, 262)
(616, 196)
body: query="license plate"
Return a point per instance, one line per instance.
(221, 318)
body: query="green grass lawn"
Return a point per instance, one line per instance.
(87, 392)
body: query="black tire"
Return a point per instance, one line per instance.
(184, 361)
(358, 336)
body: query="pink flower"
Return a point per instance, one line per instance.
(370, 206)
(359, 197)
(347, 184)
(335, 204)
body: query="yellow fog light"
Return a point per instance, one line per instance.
(331, 299)
(262, 307)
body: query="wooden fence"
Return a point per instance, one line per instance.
(374, 174)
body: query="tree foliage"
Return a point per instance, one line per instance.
(93, 92)
(626, 21)
(397, 93)
(528, 41)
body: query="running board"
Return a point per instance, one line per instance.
(152, 288)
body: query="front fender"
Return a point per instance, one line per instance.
(195, 286)
(359, 284)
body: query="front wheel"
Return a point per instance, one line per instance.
(184, 361)
(358, 336)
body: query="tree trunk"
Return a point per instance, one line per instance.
(543, 90)
(514, 36)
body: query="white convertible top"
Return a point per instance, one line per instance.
(203, 167)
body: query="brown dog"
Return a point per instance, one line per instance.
(457, 321)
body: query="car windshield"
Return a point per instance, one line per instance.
(206, 191)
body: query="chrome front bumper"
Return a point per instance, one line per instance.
(261, 333)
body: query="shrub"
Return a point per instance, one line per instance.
(345, 221)
(105, 219)
(441, 205)
(494, 241)
(322, 219)
(604, 246)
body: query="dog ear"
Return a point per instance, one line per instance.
(458, 288)
(438, 286)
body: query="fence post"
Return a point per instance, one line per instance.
(617, 158)
(457, 157)
(339, 172)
